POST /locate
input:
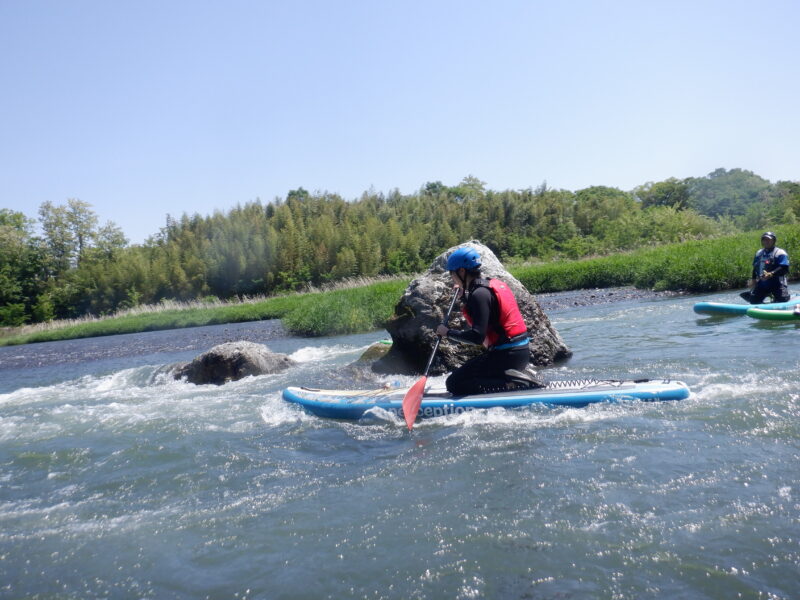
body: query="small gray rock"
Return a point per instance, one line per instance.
(232, 361)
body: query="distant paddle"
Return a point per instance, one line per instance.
(413, 397)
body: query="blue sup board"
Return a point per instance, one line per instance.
(721, 308)
(339, 404)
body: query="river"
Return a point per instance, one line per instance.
(117, 482)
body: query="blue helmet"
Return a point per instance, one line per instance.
(464, 257)
(770, 235)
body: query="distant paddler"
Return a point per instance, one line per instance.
(770, 270)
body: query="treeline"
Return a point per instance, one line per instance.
(75, 267)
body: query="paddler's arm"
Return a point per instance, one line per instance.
(781, 270)
(479, 307)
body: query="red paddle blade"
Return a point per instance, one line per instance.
(412, 400)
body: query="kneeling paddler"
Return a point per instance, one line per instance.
(495, 322)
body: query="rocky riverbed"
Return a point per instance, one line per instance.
(564, 300)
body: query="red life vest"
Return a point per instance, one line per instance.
(509, 317)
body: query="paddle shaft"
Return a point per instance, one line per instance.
(439, 339)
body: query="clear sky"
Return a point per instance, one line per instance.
(148, 107)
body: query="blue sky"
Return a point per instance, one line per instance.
(153, 107)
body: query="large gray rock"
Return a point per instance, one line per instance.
(422, 308)
(232, 361)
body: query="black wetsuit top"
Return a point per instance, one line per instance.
(479, 306)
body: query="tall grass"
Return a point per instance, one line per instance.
(338, 311)
(344, 311)
(695, 266)
(360, 306)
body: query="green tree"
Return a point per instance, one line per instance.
(346, 264)
(15, 220)
(724, 192)
(59, 238)
(110, 240)
(434, 189)
(21, 262)
(82, 221)
(671, 192)
(470, 188)
(595, 206)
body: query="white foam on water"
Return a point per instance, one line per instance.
(534, 417)
(59, 520)
(62, 512)
(113, 382)
(276, 412)
(22, 396)
(125, 401)
(315, 354)
(380, 415)
(26, 509)
(712, 387)
(88, 385)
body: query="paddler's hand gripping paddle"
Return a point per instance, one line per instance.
(413, 397)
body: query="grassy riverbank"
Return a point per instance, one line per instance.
(697, 266)
(314, 314)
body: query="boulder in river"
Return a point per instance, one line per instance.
(422, 308)
(232, 361)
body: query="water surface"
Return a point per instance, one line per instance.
(117, 482)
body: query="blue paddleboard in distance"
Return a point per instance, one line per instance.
(353, 404)
(722, 308)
